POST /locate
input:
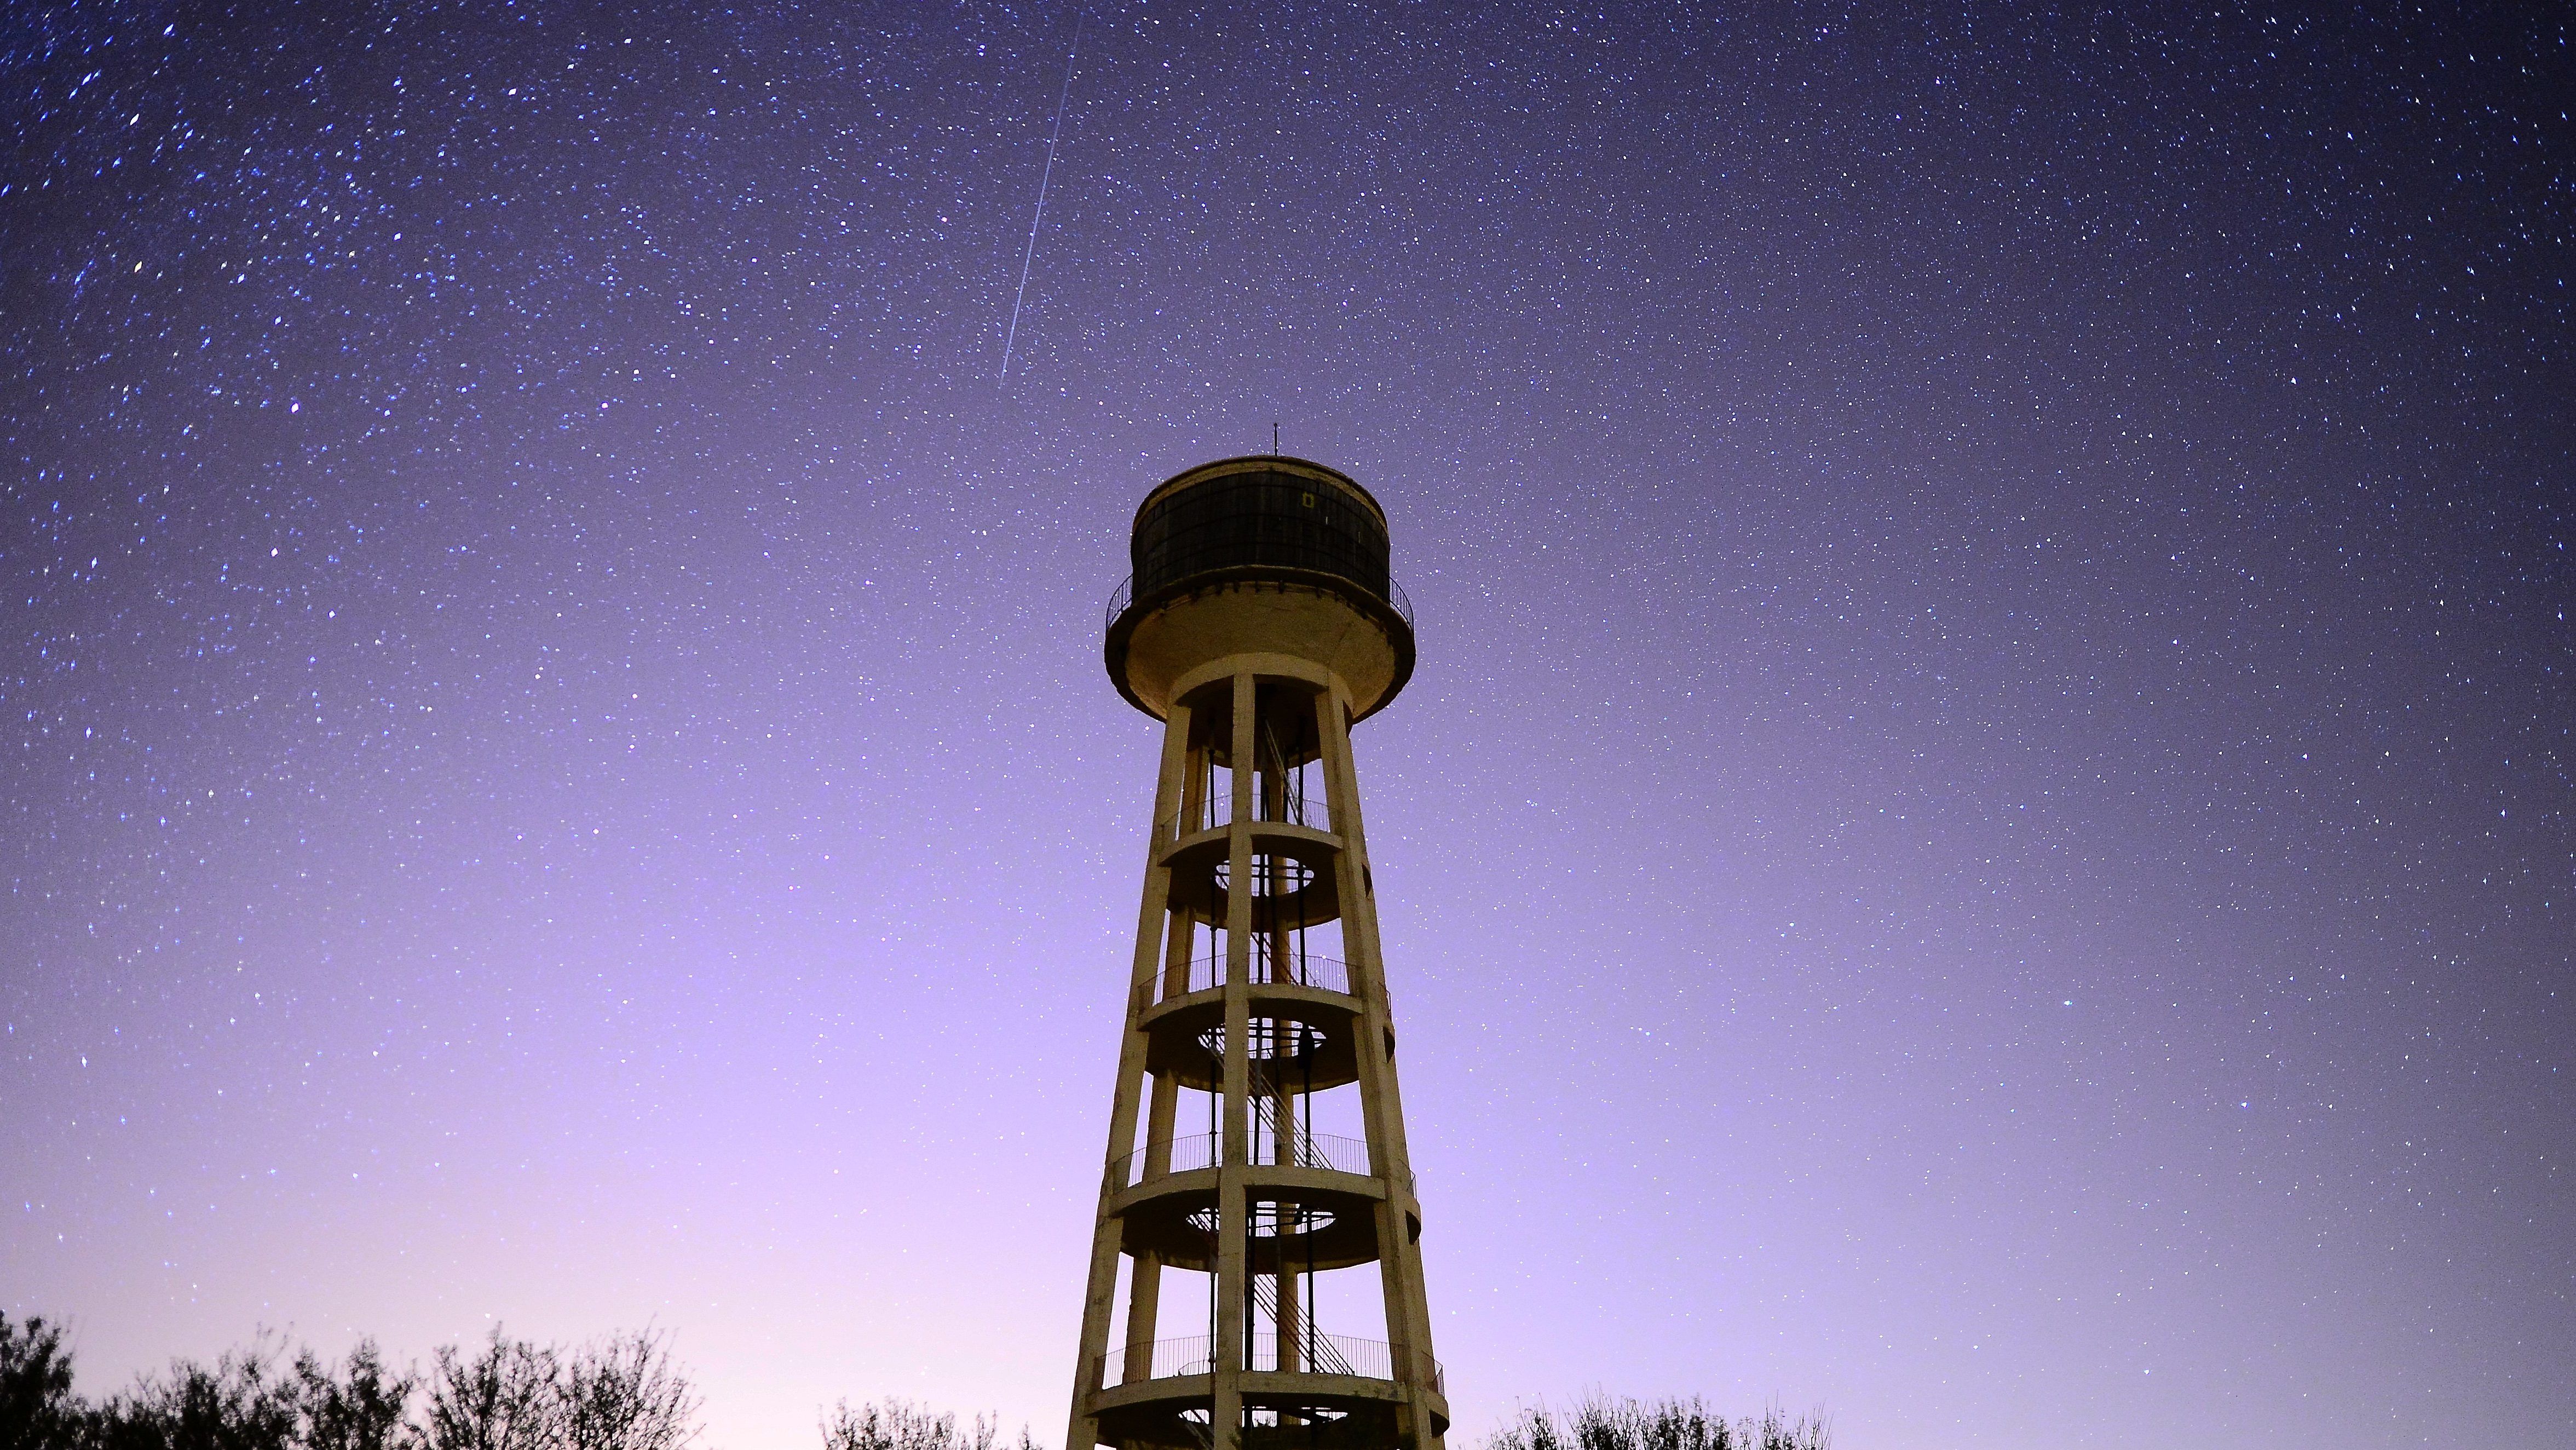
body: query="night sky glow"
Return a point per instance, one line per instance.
(1982, 839)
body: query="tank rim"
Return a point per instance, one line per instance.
(1399, 631)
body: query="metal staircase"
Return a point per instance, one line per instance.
(1321, 1354)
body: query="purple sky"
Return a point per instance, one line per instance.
(1982, 838)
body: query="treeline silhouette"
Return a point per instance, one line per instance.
(621, 1393)
(505, 1394)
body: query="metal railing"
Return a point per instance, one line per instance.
(1194, 1151)
(1208, 972)
(1125, 594)
(1369, 1359)
(1216, 809)
(1190, 1153)
(1161, 1360)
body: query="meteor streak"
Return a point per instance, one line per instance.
(1030, 252)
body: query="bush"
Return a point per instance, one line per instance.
(1601, 1423)
(900, 1425)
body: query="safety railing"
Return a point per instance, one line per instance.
(1208, 973)
(1308, 1353)
(1368, 1359)
(1161, 1360)
(1125, 594)
(1321, 1150)
(1190, 1153)
(1215, 809)
(1194, 1151)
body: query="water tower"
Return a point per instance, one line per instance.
(1256, 1170)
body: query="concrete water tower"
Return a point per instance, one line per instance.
(1256, 1168)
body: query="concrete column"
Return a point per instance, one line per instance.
(1145, 1279)
(1083, 1430)
(1408, 1313)
(1233, 1285)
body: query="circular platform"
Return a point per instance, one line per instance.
(1167, 1217)
(1177, 1037)
(1341, 1394)
(1306, 896)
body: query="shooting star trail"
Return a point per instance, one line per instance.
(1030, 252)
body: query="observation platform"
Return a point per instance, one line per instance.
(1340, 1394)
(1314, 1206)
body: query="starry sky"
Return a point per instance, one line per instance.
(1982, 839)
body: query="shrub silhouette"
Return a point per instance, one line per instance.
(900, 1425)
(1599, 1422)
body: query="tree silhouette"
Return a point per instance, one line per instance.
(37, 1407)
(236, 1403)
(363, 1407)
(502, 1397)
(625, 1395)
